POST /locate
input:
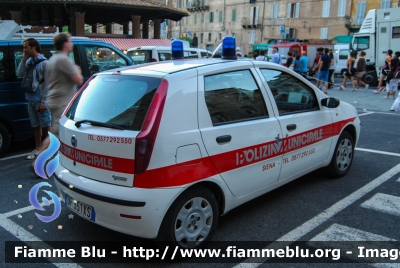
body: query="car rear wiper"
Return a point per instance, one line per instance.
(95, 123)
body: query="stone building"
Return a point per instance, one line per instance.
(262, 21)
(136, 14)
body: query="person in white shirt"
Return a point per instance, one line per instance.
(276, 58)
(238, 53)
(262, 56)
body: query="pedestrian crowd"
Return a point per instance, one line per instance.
(49, 85)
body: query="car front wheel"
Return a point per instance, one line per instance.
(191, 220)
(342, 157)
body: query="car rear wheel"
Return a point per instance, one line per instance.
(4, 139)
(342, 157)
(191, 220)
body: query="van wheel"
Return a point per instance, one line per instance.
(191, 220)
(342, 157)
(4, 139)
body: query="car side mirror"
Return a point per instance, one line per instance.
(330, 102)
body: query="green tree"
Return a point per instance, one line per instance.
(65, 29)
(186, 38)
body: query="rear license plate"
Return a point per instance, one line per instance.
(80, 208)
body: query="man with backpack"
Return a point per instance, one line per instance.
(33, 68)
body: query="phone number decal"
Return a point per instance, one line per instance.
(298, 156)
(110, 139)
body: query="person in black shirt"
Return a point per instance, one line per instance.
(323, 69)
(289, 60)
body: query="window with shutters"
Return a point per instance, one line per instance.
(254, 15)
(202, 17)
(326, 6)
(195, 19)
(209, 37)
(275, 11)
(360, 13)
(201, 38)
(211, 17)
(203, 2)
(234, 15)
(342, 8)
(220, 16)
(385, 4)
(290, 32)
(293, 10)
(324, 33)
(252, 35)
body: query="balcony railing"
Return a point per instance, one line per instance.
(198, 8)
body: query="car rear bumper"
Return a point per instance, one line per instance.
(134, 211)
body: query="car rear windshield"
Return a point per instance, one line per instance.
(120, 100)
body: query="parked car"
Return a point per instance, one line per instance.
(148, 54)
(92, 56)
(163, 150)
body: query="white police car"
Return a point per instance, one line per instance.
(162, 150)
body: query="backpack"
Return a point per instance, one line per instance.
(27, 82)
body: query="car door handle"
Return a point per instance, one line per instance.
(291, 127)
(225, 138)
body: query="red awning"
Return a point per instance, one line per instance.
(126, 43)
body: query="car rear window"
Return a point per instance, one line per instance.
(120, 100)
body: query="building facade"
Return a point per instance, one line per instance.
(263, 21)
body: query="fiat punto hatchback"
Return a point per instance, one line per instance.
(163, 150)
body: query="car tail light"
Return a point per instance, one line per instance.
(145, 140)
(153, 60)
(76, 95)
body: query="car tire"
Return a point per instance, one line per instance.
(4, 139)
(342, 157)
(191, 220)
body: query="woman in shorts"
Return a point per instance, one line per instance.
(350, 72)
(361, 70)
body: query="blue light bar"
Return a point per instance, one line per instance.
(229, 48)
(177, 49)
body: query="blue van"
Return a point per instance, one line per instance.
(92, 56)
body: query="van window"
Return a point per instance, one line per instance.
(118, 100)
(103, 58)
(140, 56)
(343, 54)
(7, 69)
(164, 55)
(190, 54)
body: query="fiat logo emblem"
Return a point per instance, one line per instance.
(74, 141)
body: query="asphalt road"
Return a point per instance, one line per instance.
(363, 205)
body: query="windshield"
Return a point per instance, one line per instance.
(115, 99)
(361, 43)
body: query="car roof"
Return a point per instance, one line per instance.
(163, 68)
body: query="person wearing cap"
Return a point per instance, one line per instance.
(238, 53)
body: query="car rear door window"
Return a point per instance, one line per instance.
(291, 95)
(233, 97)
